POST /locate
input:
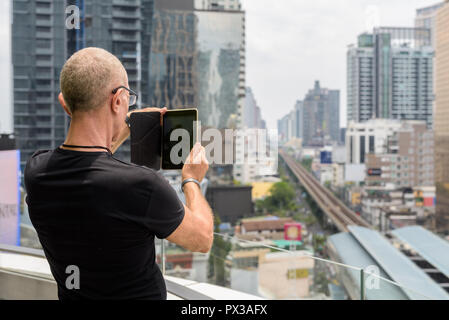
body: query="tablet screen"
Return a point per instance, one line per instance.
(177, 137)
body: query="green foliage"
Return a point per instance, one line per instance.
(307, 163)
(218, 253)
(280, 201)
(318, 242)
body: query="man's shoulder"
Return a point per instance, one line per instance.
(37, 156)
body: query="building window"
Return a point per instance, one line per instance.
(362, 149)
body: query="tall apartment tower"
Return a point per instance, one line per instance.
(41, 44)
(426, 18)
(442, 119)
(299, 122)
(360, 79)
(390, 75)
(321, 112)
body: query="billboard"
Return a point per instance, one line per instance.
(374, 172)
(326, 157)
(292, 231)
(10, 197)
(355, 172)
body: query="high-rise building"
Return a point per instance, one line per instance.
(442, 118)
(291, 126)
(368, 137)
(198, 60)
(252, 115)
(228, 5)
(426, 18)
(173, 70)
(221, 66)
(360, 62)
(41, 44)
(298, 119)
(38, 53)
(390, 75)
(406, 158)
(321, 116)
(283, 128)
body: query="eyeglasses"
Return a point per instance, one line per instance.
(132, 95)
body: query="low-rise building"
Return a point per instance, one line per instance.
(261, 228)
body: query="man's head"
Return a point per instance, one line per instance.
(87, 81)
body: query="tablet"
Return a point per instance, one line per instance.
(146, 139)
(178, 134)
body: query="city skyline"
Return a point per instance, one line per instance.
(276, 40)
(283, 57)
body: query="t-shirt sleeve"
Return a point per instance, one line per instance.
(165, 211)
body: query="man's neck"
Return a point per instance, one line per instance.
(89, 131)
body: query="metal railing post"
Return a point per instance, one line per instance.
(362, 284)
(163, 256)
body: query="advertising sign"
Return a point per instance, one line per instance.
(297, 273)
(292, 231)
(375, 172)
(10, 197)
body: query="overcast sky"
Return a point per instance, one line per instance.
(292, 43)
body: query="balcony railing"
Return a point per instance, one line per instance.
(25, 275)
(234, 269)
(271, 272)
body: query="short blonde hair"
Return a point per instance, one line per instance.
(86, 78)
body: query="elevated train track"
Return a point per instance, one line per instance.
(333, 207)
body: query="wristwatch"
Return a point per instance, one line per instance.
(190, 180)
(128, 121)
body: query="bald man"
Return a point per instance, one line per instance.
(96, 216)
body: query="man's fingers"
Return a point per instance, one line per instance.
(197, 154)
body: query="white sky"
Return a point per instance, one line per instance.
(292, 43)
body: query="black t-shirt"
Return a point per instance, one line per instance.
(100, 214)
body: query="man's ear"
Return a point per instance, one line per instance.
(116, 102)
(63, 104)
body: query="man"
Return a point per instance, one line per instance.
(96, 216)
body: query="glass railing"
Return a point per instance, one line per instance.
(270, 272)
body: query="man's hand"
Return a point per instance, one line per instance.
(150, 109)
(125, 132)
(196, 164)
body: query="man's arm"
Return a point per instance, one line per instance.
(125, 132)
(196, 231)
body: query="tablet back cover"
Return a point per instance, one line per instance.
(146, 139)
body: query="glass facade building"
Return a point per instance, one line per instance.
(221, 66)
(198, 61)
(173, 62)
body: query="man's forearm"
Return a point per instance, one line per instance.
(196, 202)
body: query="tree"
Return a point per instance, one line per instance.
(217, 257)
(281, 199)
